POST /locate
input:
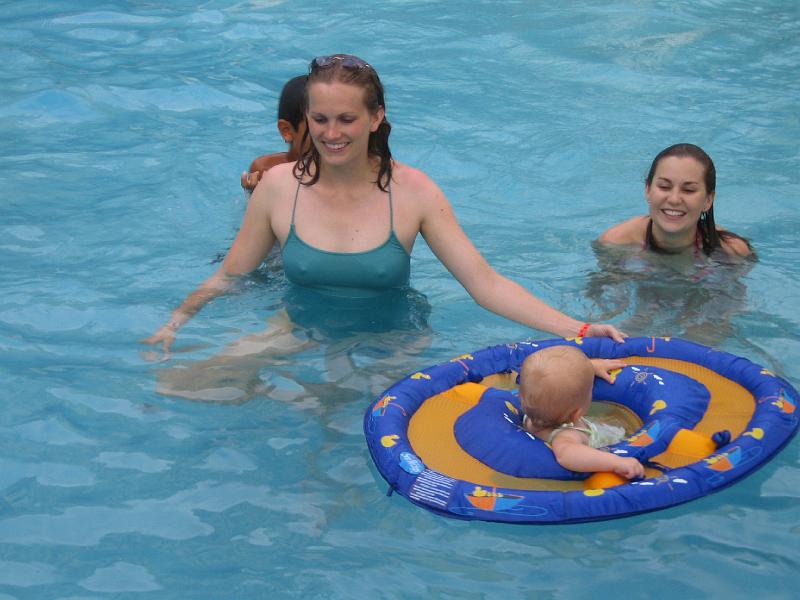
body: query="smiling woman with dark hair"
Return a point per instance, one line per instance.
(680, 189)
(673, 271)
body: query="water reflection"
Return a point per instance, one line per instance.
(315, 346)
(689, 295)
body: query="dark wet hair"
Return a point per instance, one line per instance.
(710, 237)
(349, 69)
(292, 101)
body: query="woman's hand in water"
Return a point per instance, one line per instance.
(607, 368)
(164, 335)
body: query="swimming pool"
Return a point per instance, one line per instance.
(125, 128)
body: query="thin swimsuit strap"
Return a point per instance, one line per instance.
(391, 207)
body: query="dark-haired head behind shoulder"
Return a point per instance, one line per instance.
(680, 189)
(292, 128)
(350, 70)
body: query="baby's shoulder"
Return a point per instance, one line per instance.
(567, 434)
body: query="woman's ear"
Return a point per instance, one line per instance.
(709, 202)
(647, 192)
(377, 119)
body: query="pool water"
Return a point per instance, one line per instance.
(125, 126)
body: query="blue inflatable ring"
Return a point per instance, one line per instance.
(449, 437)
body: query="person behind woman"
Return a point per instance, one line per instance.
(346, 214)
(291, 126)
(680, 189)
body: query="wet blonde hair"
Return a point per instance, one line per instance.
(554, 382)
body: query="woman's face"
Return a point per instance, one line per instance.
(677, 195)
(339, 122)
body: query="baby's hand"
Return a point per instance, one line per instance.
(630, 468)
(607, 368)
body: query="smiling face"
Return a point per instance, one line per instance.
(677, 196)
(339, 121)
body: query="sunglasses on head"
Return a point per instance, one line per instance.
(348, 61)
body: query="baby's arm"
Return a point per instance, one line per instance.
(605, 368)
(573, 453)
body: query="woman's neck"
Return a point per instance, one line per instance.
(349, 175)
(674, 243)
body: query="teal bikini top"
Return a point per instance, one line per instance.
(348, 274)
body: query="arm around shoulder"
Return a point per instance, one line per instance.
(259, 166)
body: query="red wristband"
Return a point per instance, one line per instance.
(584, 329)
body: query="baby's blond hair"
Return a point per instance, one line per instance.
(554, 382)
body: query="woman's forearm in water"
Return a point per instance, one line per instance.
(216, 285)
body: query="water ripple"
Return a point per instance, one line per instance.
(121, 577)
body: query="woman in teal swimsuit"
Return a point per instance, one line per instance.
(346, 215)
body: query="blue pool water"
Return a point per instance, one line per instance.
(124, 129)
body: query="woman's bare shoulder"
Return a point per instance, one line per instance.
(275, 186)
(415, 186)
(735, 245)
(279, 176)
(627, 233)
(406, 176)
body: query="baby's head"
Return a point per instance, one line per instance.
(555, 385)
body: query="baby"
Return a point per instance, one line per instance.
(556, 390)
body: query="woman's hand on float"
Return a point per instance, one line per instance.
(605, 368)
(605, 330)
